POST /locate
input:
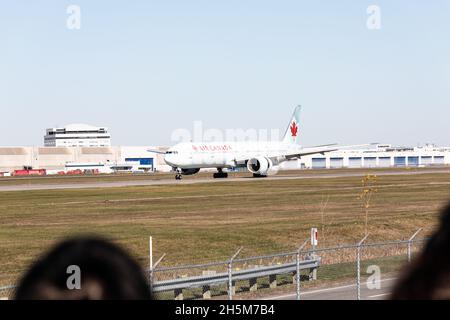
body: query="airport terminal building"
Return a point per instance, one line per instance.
(65, 158)
(77, 135)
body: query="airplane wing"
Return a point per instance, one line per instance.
(304, 152)
(156, 151)
(322, 150)
(312, 150)
(276, 158)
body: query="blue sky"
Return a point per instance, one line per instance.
(146, 68)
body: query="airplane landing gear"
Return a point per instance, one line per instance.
(256, 175)
(178, 175)
(220, 174)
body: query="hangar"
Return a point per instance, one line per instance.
(380, 156)
(58, 158)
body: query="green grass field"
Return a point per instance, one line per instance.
(207, 222)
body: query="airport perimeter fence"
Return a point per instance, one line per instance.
(362, 266)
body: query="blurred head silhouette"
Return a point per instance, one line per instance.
(428, 277)
(84, 268)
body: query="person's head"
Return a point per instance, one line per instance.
(428, 277)
(84, 268)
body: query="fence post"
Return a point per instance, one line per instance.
(230, 274)
(150, 246)
(152, 270)
(410, 242)
(297, 274)
(358, 268)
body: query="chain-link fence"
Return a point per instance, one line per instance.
(363, 265)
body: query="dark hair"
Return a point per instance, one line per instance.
(107, 272)
(428, 277)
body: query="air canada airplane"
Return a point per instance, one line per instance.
(260, 158)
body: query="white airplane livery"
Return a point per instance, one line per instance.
(260, 158)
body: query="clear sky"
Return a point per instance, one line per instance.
(146, 68)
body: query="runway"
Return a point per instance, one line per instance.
(344, 292)
(156, 182)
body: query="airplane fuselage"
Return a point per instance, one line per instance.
(224, 154)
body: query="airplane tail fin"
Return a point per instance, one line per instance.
(292, 134)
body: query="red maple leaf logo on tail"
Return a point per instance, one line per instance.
(294, 129)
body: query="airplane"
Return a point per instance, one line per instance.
(260, 158)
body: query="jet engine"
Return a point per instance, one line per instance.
(260, 166)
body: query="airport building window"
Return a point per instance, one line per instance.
(413, 161)
(142, 161)
(384, 162)
(400, 161)
(426, 160)
(439, 160)
(370, 162)
(354, 162)
(319, 163)
(336, 162)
